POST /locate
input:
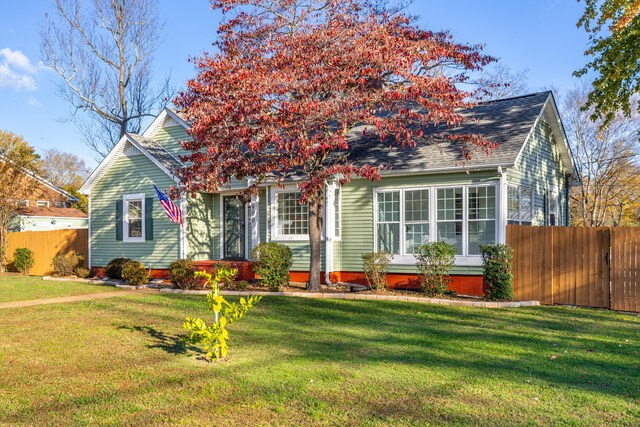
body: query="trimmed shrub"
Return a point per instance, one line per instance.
(23, 260)
(135, 273)
(273, 262)
(82, 272)
(114, 268)
(496, 265)
(435, 260)
(67, 265)
(375, 266)
(182, 273)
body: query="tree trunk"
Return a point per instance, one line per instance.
(316, 205)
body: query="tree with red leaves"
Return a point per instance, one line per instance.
(290, 80)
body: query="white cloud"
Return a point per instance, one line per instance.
(33, 102)
(16, 70)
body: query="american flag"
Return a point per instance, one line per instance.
(172, 210)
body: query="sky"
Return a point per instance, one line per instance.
(535, 35)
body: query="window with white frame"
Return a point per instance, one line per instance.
(293, 217)
(450, 219)
(519, 205)
(388, 228)
(42, 203)
(464, 216)
(59, 204)
(133, 218)
(416, 219)
(554, 207)
(481, 208)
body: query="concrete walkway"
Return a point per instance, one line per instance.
(58, 300)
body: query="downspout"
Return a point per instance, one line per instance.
(502, 207)
(329, 230)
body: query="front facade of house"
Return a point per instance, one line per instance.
(426, 195)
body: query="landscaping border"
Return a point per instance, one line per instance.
(357, 296)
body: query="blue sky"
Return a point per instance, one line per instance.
(540, 36)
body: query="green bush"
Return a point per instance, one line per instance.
(375, 266)
(82, 272)
(273, 262)
(496, 265)
(67, 265)
(182, 273)
(241, 285)
(135, 273)
(225, 273)
(23, 260)
(114, 268)
(434, 261)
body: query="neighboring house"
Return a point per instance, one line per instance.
(429, 194)
(48, 208)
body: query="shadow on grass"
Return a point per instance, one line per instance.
(170, 343)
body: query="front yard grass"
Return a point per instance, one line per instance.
(297, 361)
(23, 288)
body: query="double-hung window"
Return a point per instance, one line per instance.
(42, 203)
(519, 205)
(463, 216)
(481, 208)
(450, 220)
(389, 222)
(133, 218)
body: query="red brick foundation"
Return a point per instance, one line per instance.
(463, 285)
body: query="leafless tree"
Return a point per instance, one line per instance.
(608, 188)
(499, 81)
(103, 52)
(63, 169)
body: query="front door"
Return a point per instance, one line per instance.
(234, 228)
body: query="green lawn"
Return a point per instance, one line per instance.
(319, 362)
(22, 288)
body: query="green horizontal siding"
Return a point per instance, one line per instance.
(131, 175)
(170, 138)
(358, 218)
(538, 167)
(200, 227)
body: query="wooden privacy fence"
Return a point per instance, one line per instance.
(583, 266)
(48, 244)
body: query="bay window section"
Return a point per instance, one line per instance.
(450, 217)
(389, 222)
(481, 204)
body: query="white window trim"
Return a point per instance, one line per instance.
(275, 236)
(125, 218)
(336, 187)
(552, 189)
(461, 260)
(42, 201)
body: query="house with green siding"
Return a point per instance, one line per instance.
(427, 193)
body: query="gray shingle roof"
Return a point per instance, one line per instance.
(158, 152)
(506, 122)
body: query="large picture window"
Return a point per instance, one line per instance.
(134, 218)
(519, 205)
(465, 217)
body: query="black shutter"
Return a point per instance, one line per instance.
(148, 218)
(119, 220)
